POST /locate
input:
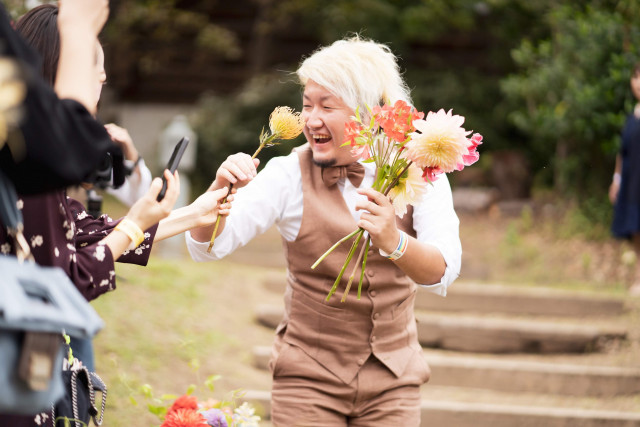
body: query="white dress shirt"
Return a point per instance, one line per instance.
(135, 186)
(274, 196)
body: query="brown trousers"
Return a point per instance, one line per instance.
(305, 394)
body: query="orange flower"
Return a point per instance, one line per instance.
(184, 402)
(396, 121)
(184, 418)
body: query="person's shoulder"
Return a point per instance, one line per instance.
(288, 163)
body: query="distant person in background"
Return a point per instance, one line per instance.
(624, 191)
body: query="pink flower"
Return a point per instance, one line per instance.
(473, 155)
(361, 151)
(431, 174)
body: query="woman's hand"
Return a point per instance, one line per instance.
(147, 211)
(378, 219)
(239, 169)
(121, 137)
(91, 13)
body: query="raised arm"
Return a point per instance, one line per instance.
(79, 23)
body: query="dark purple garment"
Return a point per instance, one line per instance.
(62, 234)
(626, 217)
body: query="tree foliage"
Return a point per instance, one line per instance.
(571, 93)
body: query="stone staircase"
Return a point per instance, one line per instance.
(506, 356)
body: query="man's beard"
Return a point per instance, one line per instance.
(324, 163)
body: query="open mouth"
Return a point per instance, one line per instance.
(320, 139)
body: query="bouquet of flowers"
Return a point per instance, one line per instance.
(284, 123)
(409, 151)
(186, 411)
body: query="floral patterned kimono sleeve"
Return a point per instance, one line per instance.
(94, 272)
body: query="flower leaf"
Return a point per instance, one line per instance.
(191, 389)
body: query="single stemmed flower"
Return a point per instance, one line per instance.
(284, 124)
(409, 152)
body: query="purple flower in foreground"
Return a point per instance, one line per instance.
(215, 417)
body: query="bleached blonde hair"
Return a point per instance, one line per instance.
(359, 71)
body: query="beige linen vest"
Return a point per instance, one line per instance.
(341, 336)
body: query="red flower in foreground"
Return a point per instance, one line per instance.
(184, 418)
(184, 402)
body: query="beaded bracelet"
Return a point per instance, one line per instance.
(400, 249)
(132, 230)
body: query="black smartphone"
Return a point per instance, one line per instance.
(174, 161)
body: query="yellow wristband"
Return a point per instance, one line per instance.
(132, 230)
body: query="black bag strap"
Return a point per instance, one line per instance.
(9, 213)
(11, 217)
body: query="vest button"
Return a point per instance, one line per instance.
(370, 273)
(376, 315)
(360, 361)
(373, 338)
(372, 293)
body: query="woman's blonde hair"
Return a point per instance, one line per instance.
(360, 72)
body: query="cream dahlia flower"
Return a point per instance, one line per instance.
(408, 191)
(440, 141)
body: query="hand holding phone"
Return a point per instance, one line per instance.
(173, 163)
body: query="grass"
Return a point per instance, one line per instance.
(173, 324)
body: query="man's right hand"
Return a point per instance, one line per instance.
(239, 169)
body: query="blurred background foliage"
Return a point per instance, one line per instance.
(546, 82)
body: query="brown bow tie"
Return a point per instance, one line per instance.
(354, 171)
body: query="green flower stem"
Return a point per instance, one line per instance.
(395, 181)
(364, 264)
(353, 273)
(338, 243)
(346, 263)
(263, 143)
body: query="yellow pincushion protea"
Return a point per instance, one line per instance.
(285, 123)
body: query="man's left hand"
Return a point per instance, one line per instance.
(378, 219)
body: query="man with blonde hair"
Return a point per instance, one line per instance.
(356, 363)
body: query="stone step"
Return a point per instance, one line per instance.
(464, 414)
(504, 335)
(495, 335)
(472, 297)
(517, 376)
